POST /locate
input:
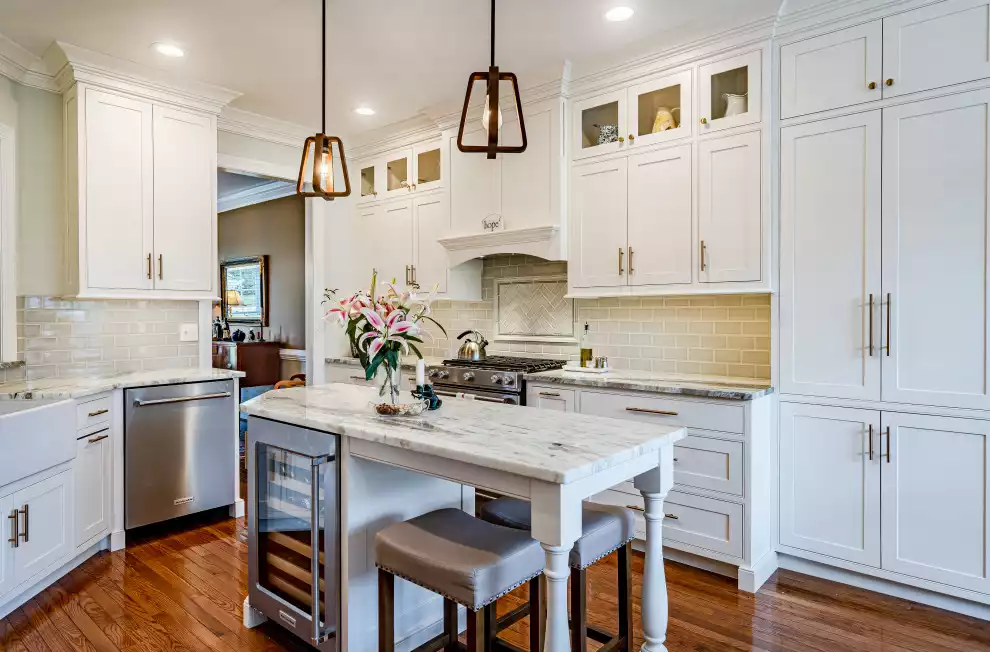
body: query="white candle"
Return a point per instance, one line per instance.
(420, 372)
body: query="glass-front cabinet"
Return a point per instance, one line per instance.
(426, 158)
(599, 124)
(371, 179)
(398, 174)
(730, 92)
(660, 109)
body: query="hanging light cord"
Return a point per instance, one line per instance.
(323, 69)
(493, 33)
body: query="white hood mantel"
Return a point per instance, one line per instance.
(541, 241)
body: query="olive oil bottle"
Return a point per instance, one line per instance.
(587, 355)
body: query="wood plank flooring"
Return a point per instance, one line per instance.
(180, 589)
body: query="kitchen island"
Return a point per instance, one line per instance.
(394, 468)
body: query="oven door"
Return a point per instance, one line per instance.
(485, 395)
(293, 529)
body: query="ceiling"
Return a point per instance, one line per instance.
(393, 55)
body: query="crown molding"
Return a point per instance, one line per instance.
(255, 195)
(789, 23)
(253, 125)
(18, 64)
(394, 136)
(78, 65)
(541, 241)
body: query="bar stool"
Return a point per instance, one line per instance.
(467, 561)
(604, 529)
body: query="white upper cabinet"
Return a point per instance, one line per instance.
(936, 494)
(730, 92)
(598, 231)
(935, 243)
(427, 166)
(830, 257)
(393, 256)
(936, 45)
(660, 242)
(660, 109)
(430, 223)
(115, 189)
(837, 69)
(730, 208)
(531, 181)
(599, 125)
(371, 179)
(830, 481)
(185, 200)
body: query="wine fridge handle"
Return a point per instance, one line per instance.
(320, 636)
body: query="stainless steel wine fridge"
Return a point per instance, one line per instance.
(294, 529)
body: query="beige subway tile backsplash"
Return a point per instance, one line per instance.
(721, 335)
(72, 337)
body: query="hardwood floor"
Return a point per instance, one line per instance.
(181, 588)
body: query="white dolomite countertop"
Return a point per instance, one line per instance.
(59, 388)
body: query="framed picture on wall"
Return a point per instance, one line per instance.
(244, 290)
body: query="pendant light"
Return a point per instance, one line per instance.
(321, 145)
(492, 114)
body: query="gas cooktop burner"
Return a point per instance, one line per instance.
(508, 363)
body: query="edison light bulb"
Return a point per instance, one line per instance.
(326, 178)
(486, 115)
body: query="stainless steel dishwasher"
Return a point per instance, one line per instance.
(180, 450)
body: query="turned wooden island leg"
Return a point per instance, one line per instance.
(654, 485)
(557, 571)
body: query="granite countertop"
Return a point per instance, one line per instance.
(740, 389)
(558, 447)
(59, 388)
(406, 364)
(14, 364)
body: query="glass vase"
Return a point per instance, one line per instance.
(390, 383)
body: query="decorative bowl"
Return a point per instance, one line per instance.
(401, 409)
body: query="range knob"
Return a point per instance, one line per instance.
(509, 380)
(468, 376)
(496, 379)
(434, 373)
(443, 374)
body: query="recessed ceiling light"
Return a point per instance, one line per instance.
(618, 14)
(168, 50)
(364, 110)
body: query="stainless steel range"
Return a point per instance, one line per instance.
(496, 379)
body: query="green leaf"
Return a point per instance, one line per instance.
(369, 371)
(415, 350)
(393, 358)
(439, 325)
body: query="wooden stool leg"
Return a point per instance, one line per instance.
(450, 625)
(579, 610)
(625, 596)
(386, 611)
(537, 613)
(476, 631)
(491, 625)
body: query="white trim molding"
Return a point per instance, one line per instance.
(8, 245)
(23, 67)
(256, 167)
(541, 241)
(260, 127)
(255, 195)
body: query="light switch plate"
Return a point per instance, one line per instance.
(189, 332)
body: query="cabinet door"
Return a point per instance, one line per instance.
(47, 525)
(399, 174)
(660, 240)
(6, 547)
(598, 211)
(830, 257)
(92, 491)
(475, 184)
(935, 497)
(660, 110)
(832, 70)
(730, 92)
(372, 178)
(729, 209)
(829, 485)
(937, 45)
(427, 166)
(551, 398)
(119, 193)
(599, 125)
(392, 255)
(430, 222)
(935, 242)
(185, 200)
(530, 186)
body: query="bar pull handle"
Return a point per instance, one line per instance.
(887, 433)
(890, 342)
(181, 399)
(407, 274)
(98, 412)
(869, 434)
(14, 539)
(638, 509)
(704, 251)
(161, 268)
(673, 516)
(631, 270)
(665, 413)
(149, 265)
(620, 261)
(549, 394)
(93, 440)
(360, 378)
(27, 522)
(871, 328)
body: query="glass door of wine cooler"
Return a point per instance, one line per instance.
(293, 530)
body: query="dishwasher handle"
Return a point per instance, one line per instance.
(181, 399)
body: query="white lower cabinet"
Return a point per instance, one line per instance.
(93, 482)
(904, 493)
(44, 525)
(561, 400)
(6, 547)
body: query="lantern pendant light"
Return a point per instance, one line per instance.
(492, 115)
(321, 145)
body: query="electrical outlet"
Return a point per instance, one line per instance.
(189, 332)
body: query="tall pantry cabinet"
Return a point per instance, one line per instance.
(884, 289)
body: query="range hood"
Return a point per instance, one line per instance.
(541, 241)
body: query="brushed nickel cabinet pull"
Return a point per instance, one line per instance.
(664, 413)
(704, 250)
(890, 342)
(871, 329)
(93, 440)
(14, 537)
(149, 265)
(549, 394)
(673, 516)
(27, 518)
(869, 433)
(98, 413)
(161, 268)
(620, 261)
(631, 270)
(407, 274)
(414, 281)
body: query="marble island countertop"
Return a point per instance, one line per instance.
(740, 389)
(406, 364)
(78, 387)
(540, 444)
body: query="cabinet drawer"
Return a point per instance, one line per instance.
(93, 413)
(551, 398)
(666, 411)
(350, 374)
(706, 463)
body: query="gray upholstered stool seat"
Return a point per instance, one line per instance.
(604, 528)
(458, 556)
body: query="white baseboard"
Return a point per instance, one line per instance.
(118, 540)
(886, 587)
(752, 578)
(237, 509)
(22, 594)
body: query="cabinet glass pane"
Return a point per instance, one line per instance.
(285, 527)
(659, 110)
(428, 166)
(398, 173)
(730, 91)
(368, 181)
(600, 125)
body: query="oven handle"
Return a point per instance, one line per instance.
(475, 397)
(181, 399)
